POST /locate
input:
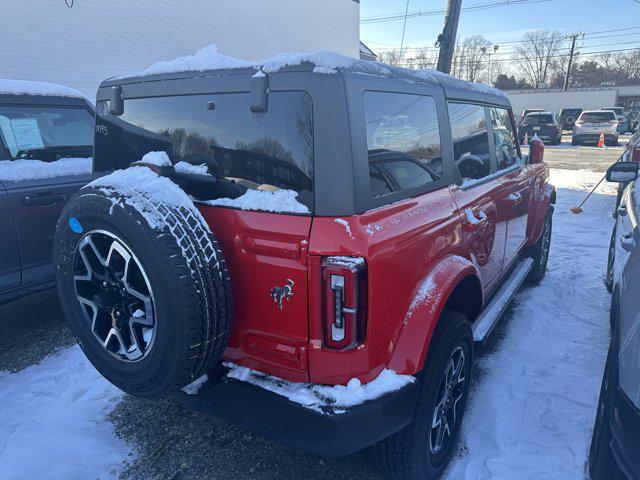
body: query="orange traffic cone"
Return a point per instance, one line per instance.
(526, 138)
(601, 141)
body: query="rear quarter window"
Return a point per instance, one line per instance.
(403, 141)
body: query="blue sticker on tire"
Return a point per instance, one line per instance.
(75, 225)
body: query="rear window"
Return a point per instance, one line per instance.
(597, 117)
(46, 133)
(266, 151)
(538, 118)
(403, 141)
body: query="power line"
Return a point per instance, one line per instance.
(426, 13)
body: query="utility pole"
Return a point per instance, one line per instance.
(573, 38)
(447, 39)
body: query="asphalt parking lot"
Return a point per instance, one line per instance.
(171, 442)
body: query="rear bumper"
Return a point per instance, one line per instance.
(593, 137)
(330, 434)
(626, 439)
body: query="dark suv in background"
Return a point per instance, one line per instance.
(543, 124)
(46, 145)
(568, 117)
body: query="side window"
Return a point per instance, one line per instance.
(470, 140)
(403, 141)
(504, 138)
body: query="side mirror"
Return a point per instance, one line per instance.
(623, 172)
(536, 150)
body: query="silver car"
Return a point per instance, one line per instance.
(592, 124)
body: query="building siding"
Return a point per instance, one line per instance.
(80, 46)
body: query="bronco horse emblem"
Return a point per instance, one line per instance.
(282, 293)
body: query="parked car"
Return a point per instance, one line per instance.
(631, 153)
(616, 435)
(623, 124)
(370, 258)
(568, 117)
(543, 124)
(527, 111)
(592, 124)
(46, 144)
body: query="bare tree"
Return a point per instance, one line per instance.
(424, 58)
(392, 57)
(468, 58)
(536, 54)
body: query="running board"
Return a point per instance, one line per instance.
(489, 317)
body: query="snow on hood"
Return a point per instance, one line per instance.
(160, 159)
(21, 170)
(321, 397)
(29, 87)
(280, 201)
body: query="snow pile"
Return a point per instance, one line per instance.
(194, 387)
(143, 189)
(208, 58)
(28, 87)
(280, 201)
(20, 170)
(531, 415)
(184, 167)
(321, 397)
(52, 421)
(159, 159)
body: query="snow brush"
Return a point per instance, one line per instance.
(577, 210)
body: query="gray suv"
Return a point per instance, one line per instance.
(46, 148)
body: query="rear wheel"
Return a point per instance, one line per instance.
(610, 261)
(423, 448)
(602, 464)
(150, 306)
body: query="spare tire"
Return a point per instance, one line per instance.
(142, 282)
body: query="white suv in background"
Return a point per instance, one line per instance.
(593, 123)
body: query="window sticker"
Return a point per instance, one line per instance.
(7, 134)
(27, 133)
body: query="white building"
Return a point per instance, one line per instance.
(585, 98)
(81, 42)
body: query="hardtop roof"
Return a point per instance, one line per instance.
(208, 62)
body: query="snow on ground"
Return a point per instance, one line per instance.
(52, 421)
(20, 170)
(531, 415)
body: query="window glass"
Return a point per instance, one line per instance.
(534, 118)
(598, 117)
(403, 141)
(267, 151)
(470, 140)
(504, 138)
(46, 133)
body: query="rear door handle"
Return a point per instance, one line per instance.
(45, 200)
(627, 242)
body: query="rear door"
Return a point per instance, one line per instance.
(516, 183)
(628, 240)
(9, 257)
(49, 149)
(480, 192)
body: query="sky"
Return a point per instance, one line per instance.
(505, 23)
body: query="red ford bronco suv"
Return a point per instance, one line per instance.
(308, 250)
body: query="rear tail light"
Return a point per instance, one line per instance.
(345, 301)
(635, 154)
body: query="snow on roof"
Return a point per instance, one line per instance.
(29, 87)
(324, 61)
